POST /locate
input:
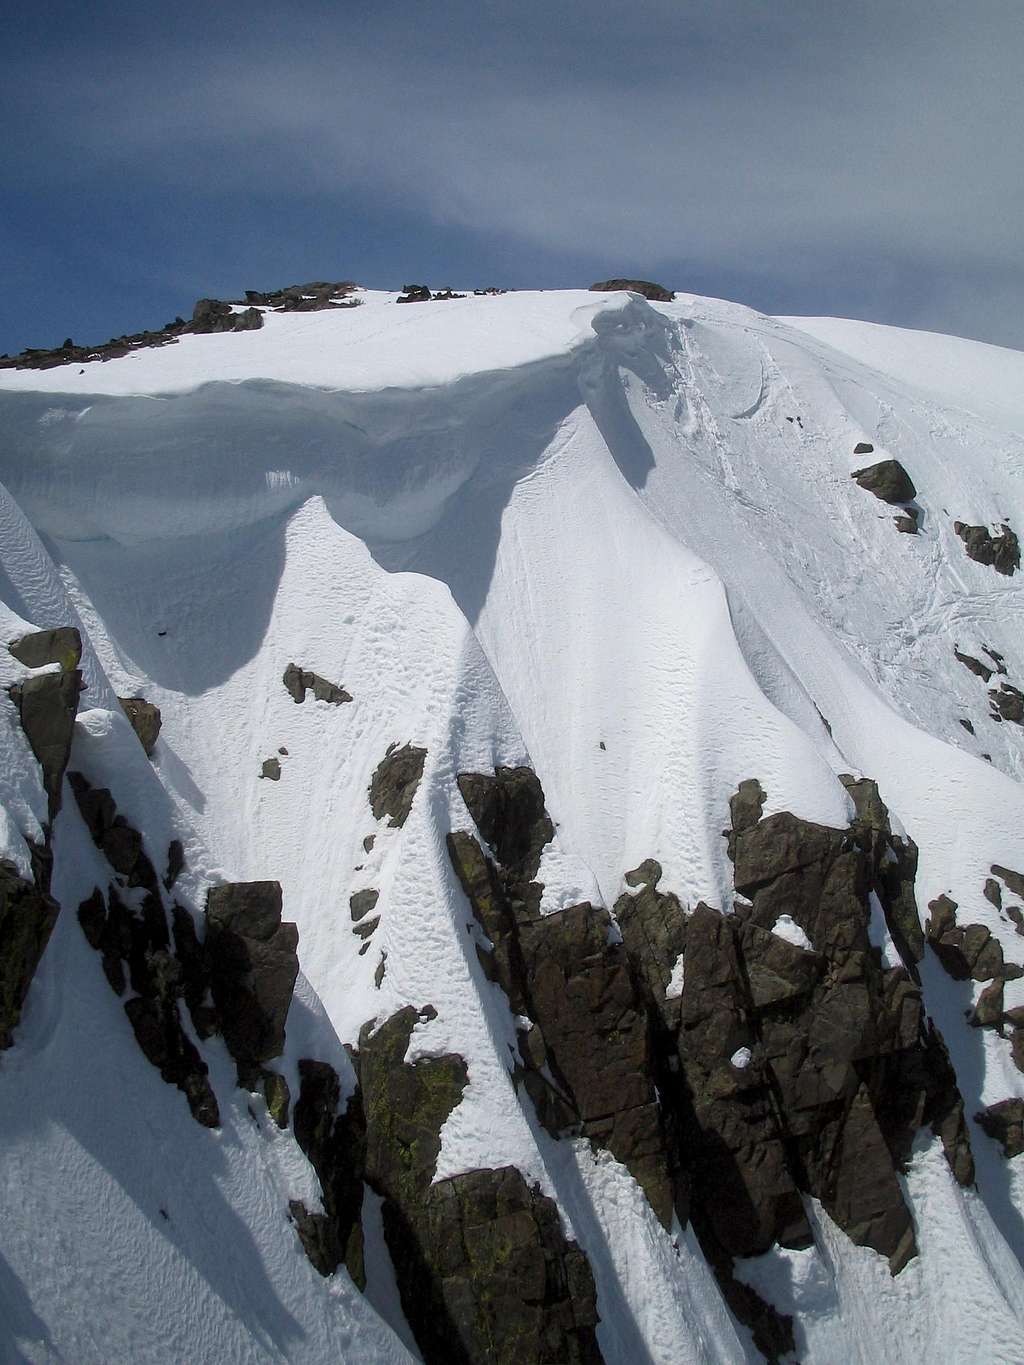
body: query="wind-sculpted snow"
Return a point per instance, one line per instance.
(615, 542)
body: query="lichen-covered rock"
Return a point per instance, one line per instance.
(1005, 1123)
(61, 645)
(27, 917)
(509, 1285)
(887, 480)
(336, 1147)
(483, 1268)
(319, 1237)
(395, 782)
(298, 681)
(1001, 551)
(145, 720)
(253, 965)
(655, 292)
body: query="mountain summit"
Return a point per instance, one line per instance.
(511, 836)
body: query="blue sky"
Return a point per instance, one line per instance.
(859, 158)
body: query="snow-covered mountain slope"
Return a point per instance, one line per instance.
(615, 544)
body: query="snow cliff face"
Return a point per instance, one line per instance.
(569, 903)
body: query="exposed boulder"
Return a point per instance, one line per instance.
(362, 902)
(1005, 1123)
(214, 315)
(888, 480)
(61, 645)
(655, 292)
(47, 705)
(1014, 881)
(863, 448)
(395, 782)
(27, 917)
(1001, 551)
(508, 810)
(1007, 703)
(271, 769)
(979, 669)
(299, 681)
(414, 293)
(965, 951)
(145, 720)
(253, 966)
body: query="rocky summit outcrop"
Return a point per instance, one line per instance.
(213, 315)
(27, 917)
(209, 316)
(252, 963)
(1001, 551)
(414, 293)
(655, 292)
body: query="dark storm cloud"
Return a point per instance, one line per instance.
(841, 153)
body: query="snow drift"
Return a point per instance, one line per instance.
(613, 542)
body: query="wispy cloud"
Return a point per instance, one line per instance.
(766, 138)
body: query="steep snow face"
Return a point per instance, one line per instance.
(616, 541)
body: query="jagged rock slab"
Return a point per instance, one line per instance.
(27, 917)
(1001, 551)
(394, 783)
(888, 480)
(298, 681)
(253, 966)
